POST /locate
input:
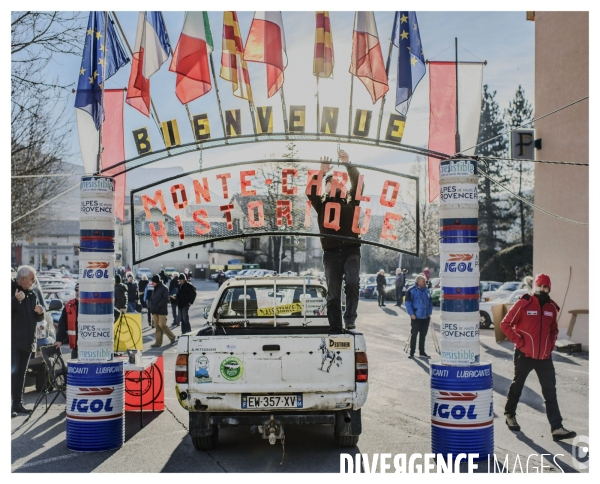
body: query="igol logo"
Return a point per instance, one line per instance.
(460, 267)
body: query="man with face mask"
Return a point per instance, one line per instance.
(531, 324)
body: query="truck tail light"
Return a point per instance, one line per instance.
(181, 369)
(362, 367)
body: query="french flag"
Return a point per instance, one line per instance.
(266, 44)
(138, 88)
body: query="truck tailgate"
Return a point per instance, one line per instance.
(267, 363)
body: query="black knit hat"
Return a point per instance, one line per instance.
(117, 279)
(182, 276)
(155, 278)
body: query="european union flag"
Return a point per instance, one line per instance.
(103, 55)
(411, 61)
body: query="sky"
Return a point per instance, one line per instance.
(504, 39)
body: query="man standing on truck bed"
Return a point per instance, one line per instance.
(341, 257)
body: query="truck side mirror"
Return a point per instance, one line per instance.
(206, 311)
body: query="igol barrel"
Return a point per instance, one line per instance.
(462, 410)
(96, 302)
(95, 406)
(97, 240)
(458, 230)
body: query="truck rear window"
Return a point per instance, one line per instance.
(261, 301)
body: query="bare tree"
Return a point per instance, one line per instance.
(40, 120)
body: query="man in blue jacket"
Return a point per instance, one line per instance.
(419, 307)
(157, 305)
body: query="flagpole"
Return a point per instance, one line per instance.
(387, 73)
(102, 97)
(351, 79)
(212, 68)
(317, 131)
(187, 108)
(457, 133)
(155, 116)
(285, 120)
(252, 115)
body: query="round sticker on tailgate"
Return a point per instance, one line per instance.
(232, 368)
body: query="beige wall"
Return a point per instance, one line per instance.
(561, 77)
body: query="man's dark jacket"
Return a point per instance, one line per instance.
(158, 301)
(120, 296)
(186, 295)
(163, 277)
(23, 319)
(400, 279)
(347, 206)
(132, 291)
(381, 282)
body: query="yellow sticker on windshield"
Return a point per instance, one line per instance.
(283, 309)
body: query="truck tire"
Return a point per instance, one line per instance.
(209, 442)
(345, 440)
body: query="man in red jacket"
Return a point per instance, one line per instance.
(531, 324)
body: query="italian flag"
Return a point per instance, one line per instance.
(190, 59)
(367, 61)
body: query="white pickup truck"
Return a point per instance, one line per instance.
(265, 359)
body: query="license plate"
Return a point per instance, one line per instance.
(271, 401)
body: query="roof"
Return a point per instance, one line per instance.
(61, 227)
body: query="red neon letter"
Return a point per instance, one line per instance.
(202, 190)
(205, 229)
(246, 183)
(227, 209)
(179, 227)
(258, 205)
(388, 226)
(367, 221)
(285, 189)
(315, 179)
(157, 200)
(336, 183)
(184, 202)
(359, 190)
(161, 232)
(223, 179)
(284, 209)
(307, 210)
(328, 222)
(386, 189)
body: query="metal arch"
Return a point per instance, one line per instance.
(243, 236)
(149, 158)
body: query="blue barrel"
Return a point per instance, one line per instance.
(458, 230)
(96, 240)
(459, 299)
(462, 410)
(95, 406)
(96, 302)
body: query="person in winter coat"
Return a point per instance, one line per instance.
(399, 283)
(381, 283)
(158, 306)
(147, 296)
(419, 307)
(26, 312)
(163, 277)
(142, 289)
(173, 290)
(221, 278)
(132, 293)
(531, 324)
(67, 325)
(120, 294)
(185, 298)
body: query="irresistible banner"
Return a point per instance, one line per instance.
(277, 197)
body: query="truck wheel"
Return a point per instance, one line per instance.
(40, 379)
(345, 440)
(207, 443)
(484, 320)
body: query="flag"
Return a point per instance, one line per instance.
(155, 43)
(190, 59)
(138, 87)
(113, 142)
(102, 57)
(411, 60)
(266, 44)
(233, 67)
(442, 115)
(367, 60)
(323, 61)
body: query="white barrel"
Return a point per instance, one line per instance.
(97, 185)
(459, 331)
(93, 208)
(460, 353)
(96, 318)
(458, 194)
(459, 260)
(470, 211)
(95, 331)
(101, 224)
(455, 170)
(471, 316)
(95, 352)
(96, 268)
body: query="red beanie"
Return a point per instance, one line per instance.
(543, 280)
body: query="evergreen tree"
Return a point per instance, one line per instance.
(520, 111)
(494, 213)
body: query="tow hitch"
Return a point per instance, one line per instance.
(271, 431)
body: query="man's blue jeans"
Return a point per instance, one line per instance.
(131, 307)
(342, 265)
(19, 360)
(184, 319)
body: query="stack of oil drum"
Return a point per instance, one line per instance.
(95, 385)
(461, 385)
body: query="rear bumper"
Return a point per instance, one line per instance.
(259, 418)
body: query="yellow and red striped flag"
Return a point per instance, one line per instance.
(233, 66)
(323, 61)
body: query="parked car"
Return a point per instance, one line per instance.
(143, 271)
(489, 285)
(169, 271)
(486, 317)
(367, 286)
(231, 273)
(503, 291)
(61, 294)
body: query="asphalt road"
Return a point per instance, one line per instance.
(396, 417)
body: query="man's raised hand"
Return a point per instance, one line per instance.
(20, 295)
(325, 165)
(343, 156)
